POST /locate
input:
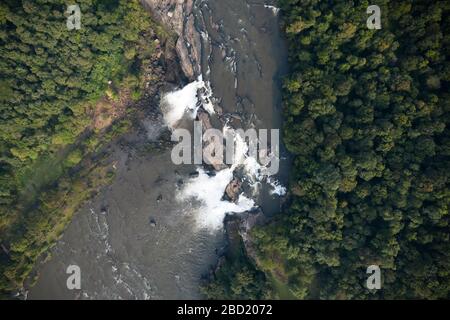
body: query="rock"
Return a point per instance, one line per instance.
(204, 118)
(214, 25)
(233, 189)
(236, 116)
(218, 110)
(185, 61)
(177, 16)
(211, 173)
(104, 210)
(193, 174)
(211, 144)
(252, 219)
(192, 37)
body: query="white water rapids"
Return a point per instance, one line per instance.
(209, 189)
(156, 230)
(175, 105)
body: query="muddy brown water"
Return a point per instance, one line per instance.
(134, 241)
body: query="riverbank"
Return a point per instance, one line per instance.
(144, 236)
(62, 182)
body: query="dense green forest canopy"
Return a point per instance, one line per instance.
(366, 119)
(50, 78)
(48, 73)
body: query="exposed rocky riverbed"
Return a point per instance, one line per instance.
(153, 234)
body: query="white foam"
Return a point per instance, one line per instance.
(254, 171)
(274, 9)
(176, 104)
(277, 187)
(206, 189)
(209, 190)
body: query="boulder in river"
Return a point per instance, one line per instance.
(233, 189)
(194, 174)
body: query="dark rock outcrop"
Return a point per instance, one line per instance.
(233, 189)
(177, 16)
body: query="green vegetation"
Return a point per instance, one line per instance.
(237, 277)
(50, 83)
(50, 78)
(366, 117)
(366, 121)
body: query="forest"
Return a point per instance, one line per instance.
(366, 116)
(51, 79)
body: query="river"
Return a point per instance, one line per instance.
(139, 239)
